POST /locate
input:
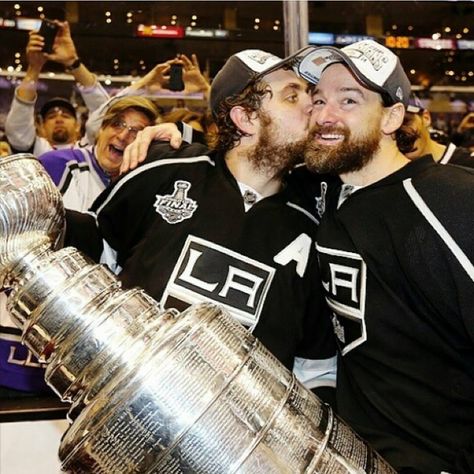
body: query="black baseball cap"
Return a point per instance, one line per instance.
(374, 65)
(240, 70)
(59, 102)
(414, 105)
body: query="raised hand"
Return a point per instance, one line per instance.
(194, 80)
(34, 51)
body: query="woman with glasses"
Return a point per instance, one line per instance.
(82, 174)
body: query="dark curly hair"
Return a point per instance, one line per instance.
(250, 99)
(406, 136)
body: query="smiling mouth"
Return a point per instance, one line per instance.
(116, 152)
(330, 138)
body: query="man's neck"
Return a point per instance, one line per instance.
(245, 172)
(385, 162)
(436, 150)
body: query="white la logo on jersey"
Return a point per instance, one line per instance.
(344, 276)
(206, 271)
(176, 207)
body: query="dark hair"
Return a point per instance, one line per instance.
(250, 99)
(406, 136)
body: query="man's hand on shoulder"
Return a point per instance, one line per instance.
(136, 152)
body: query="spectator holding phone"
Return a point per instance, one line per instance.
(156, 80)
(20, 123)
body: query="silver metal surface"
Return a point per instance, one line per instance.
(155, 391)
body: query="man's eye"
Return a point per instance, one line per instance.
(349, 101)
(318, 102)
(292, 98)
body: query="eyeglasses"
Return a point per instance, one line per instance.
(119, 125)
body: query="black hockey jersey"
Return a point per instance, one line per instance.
(396, 260)
(457, 155)
(178, 228)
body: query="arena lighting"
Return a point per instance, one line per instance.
(28, 23)
(434, 43)
(156, 31)
(7, 23)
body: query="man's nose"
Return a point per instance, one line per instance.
(324, 114)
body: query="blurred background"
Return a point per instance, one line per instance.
(120, 41)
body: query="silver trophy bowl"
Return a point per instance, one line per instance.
(154, 391)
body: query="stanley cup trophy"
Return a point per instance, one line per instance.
(153, 391)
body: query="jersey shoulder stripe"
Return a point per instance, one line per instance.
(149, 166)
(439, 228)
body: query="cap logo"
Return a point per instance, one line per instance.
(374, 56)
(399, 93)
(261, 57)
(319, 61)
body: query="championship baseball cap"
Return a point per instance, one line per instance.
(59, 102)
(240, 70)
(414, 105)
(375, 66)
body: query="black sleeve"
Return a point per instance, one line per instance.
(195, 135)
(83, 234)
(465, 460)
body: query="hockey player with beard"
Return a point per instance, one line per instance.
(396, 252)
(191, 225)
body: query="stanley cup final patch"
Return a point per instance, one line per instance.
(176, 207)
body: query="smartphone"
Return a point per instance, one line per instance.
(176, 78)
(48, 31)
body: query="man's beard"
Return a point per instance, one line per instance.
(406, 138)
(61, 136)
(273, 156)
(352, 154)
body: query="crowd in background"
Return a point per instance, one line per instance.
(262, 131)
(29, 128)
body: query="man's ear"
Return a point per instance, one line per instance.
(426, 117)
(243, 121)
(393, 118)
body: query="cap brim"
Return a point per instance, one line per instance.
(316, 60)
(291, 61)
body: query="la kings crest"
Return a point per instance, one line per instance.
(206, 271)
(344, 277)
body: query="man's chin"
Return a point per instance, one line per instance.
(61, 138)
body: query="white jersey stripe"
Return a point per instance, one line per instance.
(448, 153)
(304, 211)
(439, 228)
(154, 164)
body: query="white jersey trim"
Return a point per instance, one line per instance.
(448, 153)
(439, 228)
(304, 211)
(316, 373)
(148, 166)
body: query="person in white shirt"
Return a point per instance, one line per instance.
(20, 126)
